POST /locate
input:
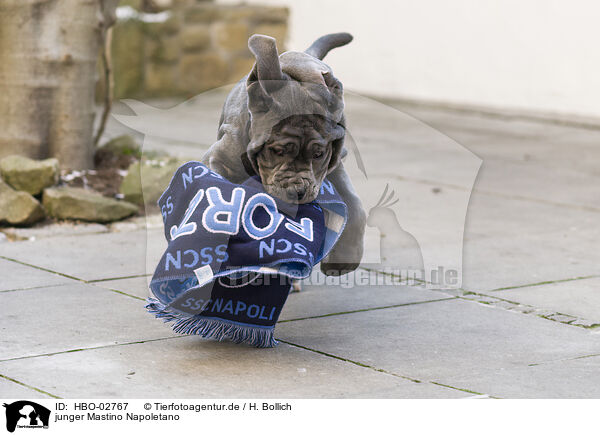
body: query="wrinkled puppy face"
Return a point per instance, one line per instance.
(294, 161)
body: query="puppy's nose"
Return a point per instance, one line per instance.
(301, 191)
(296, 193)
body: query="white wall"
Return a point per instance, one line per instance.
(537, 55)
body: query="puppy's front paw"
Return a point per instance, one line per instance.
(348, 251)
(342, 259)
(337, 269)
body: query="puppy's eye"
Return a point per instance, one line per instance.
(318, 154)
(277, 151)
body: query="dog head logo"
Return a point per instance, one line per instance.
(26, 414)
(397, 246)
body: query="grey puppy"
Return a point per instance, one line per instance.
(284, 121)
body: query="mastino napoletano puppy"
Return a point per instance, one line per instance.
(284, 122)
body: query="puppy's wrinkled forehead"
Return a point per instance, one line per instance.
(307, 127)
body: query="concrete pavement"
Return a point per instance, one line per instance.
(524, 323)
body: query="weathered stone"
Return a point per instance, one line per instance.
(128, 58)
(131, 186)
(231, 36)
(161, 79)
(18, 208)
(28, 175)
(255, 14)
(240, 67)
(240, 12)
(277, 31)
(202, 71)
(85, 205)
(195, 37)
(155, 6)
(163, 49)
(168, 27)
(202, 13)
(179, 4)
(274, 14)
(135, 4)
(146, 182)
(124, 144)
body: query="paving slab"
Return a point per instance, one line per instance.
(53, 229)
(137, 286)
(514, 228)
(432, 219)
(12, 390)
(440, 341)
(490, 263)
(540, 160)
(67, 317)
(342, 294)
(523, 259)
(491, 216)
(487, 215)
(322, 295)
(91, 256)
(429, 205)
(189, 367)
(569, 379)
(15, 276)
(560, 183)
(579, 298)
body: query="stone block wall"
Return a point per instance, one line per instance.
(194, 46)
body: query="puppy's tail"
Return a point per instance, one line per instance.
(324, 44)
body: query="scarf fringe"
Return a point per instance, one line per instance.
(217, 329)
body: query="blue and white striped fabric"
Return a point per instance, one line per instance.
(233, 251)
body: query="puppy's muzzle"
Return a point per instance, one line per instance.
(296, 193)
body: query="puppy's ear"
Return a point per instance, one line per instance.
(337, 146)
(267, 65)
(266, 75)
(325, 44)
(336, 154)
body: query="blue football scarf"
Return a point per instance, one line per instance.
(233, 251)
